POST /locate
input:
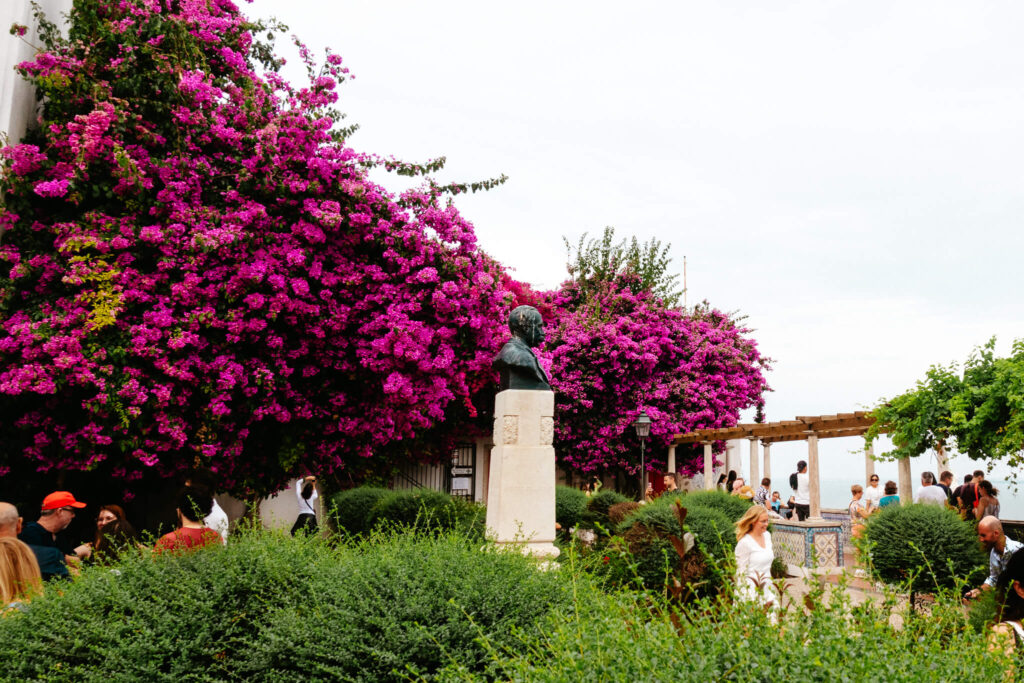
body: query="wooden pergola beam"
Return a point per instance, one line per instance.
(825, 426)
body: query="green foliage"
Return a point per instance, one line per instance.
(645, 553)
(272, 608)
(570, 506)
(982, 409)
(929, 546)
(733, 507)
(601, 501)
(594, 262)
(427, 510)
(351, 509)
(627, 637)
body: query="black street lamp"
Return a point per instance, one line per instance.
(643, 430)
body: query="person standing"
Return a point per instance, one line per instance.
(800, 482)
(44, 535)
(859, 512)
(1000, 550)
(946, 484)
(754, 555)
(890, 497)
(969, 494)
(958, 496)
(306, 494)
(988, 503)
(872, 493)
(929, 493)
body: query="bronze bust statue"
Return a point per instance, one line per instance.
(517, 364)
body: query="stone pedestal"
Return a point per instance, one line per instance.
(521, 491)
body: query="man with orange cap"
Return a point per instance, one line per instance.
(43, 537)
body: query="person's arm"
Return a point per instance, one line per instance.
(742, 557)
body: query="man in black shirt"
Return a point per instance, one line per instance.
(43, 536)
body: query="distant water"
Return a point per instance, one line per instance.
(835, 493)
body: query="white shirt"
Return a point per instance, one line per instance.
(873, 494)
(306, 507)
(803, 489)
(754, 570)
(218, 521)
(931, 495)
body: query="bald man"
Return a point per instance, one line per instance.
(1000, 549)
(10, 522)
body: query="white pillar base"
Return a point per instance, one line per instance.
(521, 491)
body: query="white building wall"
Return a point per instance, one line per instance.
(17, 101)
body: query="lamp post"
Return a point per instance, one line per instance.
(643, 430)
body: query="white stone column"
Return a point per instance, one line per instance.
(521, 492)
(906, 486)
(869, 461)
(813, 474)
(755, 479)
(709, 472)
(672, 459)
(767, 445)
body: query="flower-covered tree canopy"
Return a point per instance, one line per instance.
(196, 271)
(619, 343)
(619, 350)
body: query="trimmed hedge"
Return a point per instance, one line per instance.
(427, 510)
(570, 506)
(351, 509)
(269, 607)
(926, 542)
(601, 501)
(732, 507)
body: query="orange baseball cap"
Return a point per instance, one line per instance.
(61, 499)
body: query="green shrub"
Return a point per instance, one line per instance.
(601, 501)
(350, 509)
(570, 506)
(646, 553)
(624, 637)
(427, 510)
(268, 607)
(927, 543)
(732, 506)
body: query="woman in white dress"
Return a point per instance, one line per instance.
(754, 555)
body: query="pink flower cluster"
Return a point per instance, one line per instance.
(194, 271)
(619, 352)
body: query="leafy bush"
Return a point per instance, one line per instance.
(646, 552)
(929, 544)
(272, 608)
(427, 510)
(732, 506)
(626, 637)
(601, 501)
(351, 509)
(570, 506)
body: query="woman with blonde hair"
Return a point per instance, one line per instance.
(754, 555)
(20, 578)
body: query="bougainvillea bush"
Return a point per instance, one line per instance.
(618, 349)
(195, 269)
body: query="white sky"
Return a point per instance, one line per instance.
(845, 174)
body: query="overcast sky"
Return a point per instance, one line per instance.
(845, 174)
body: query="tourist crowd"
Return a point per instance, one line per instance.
(41, 551)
